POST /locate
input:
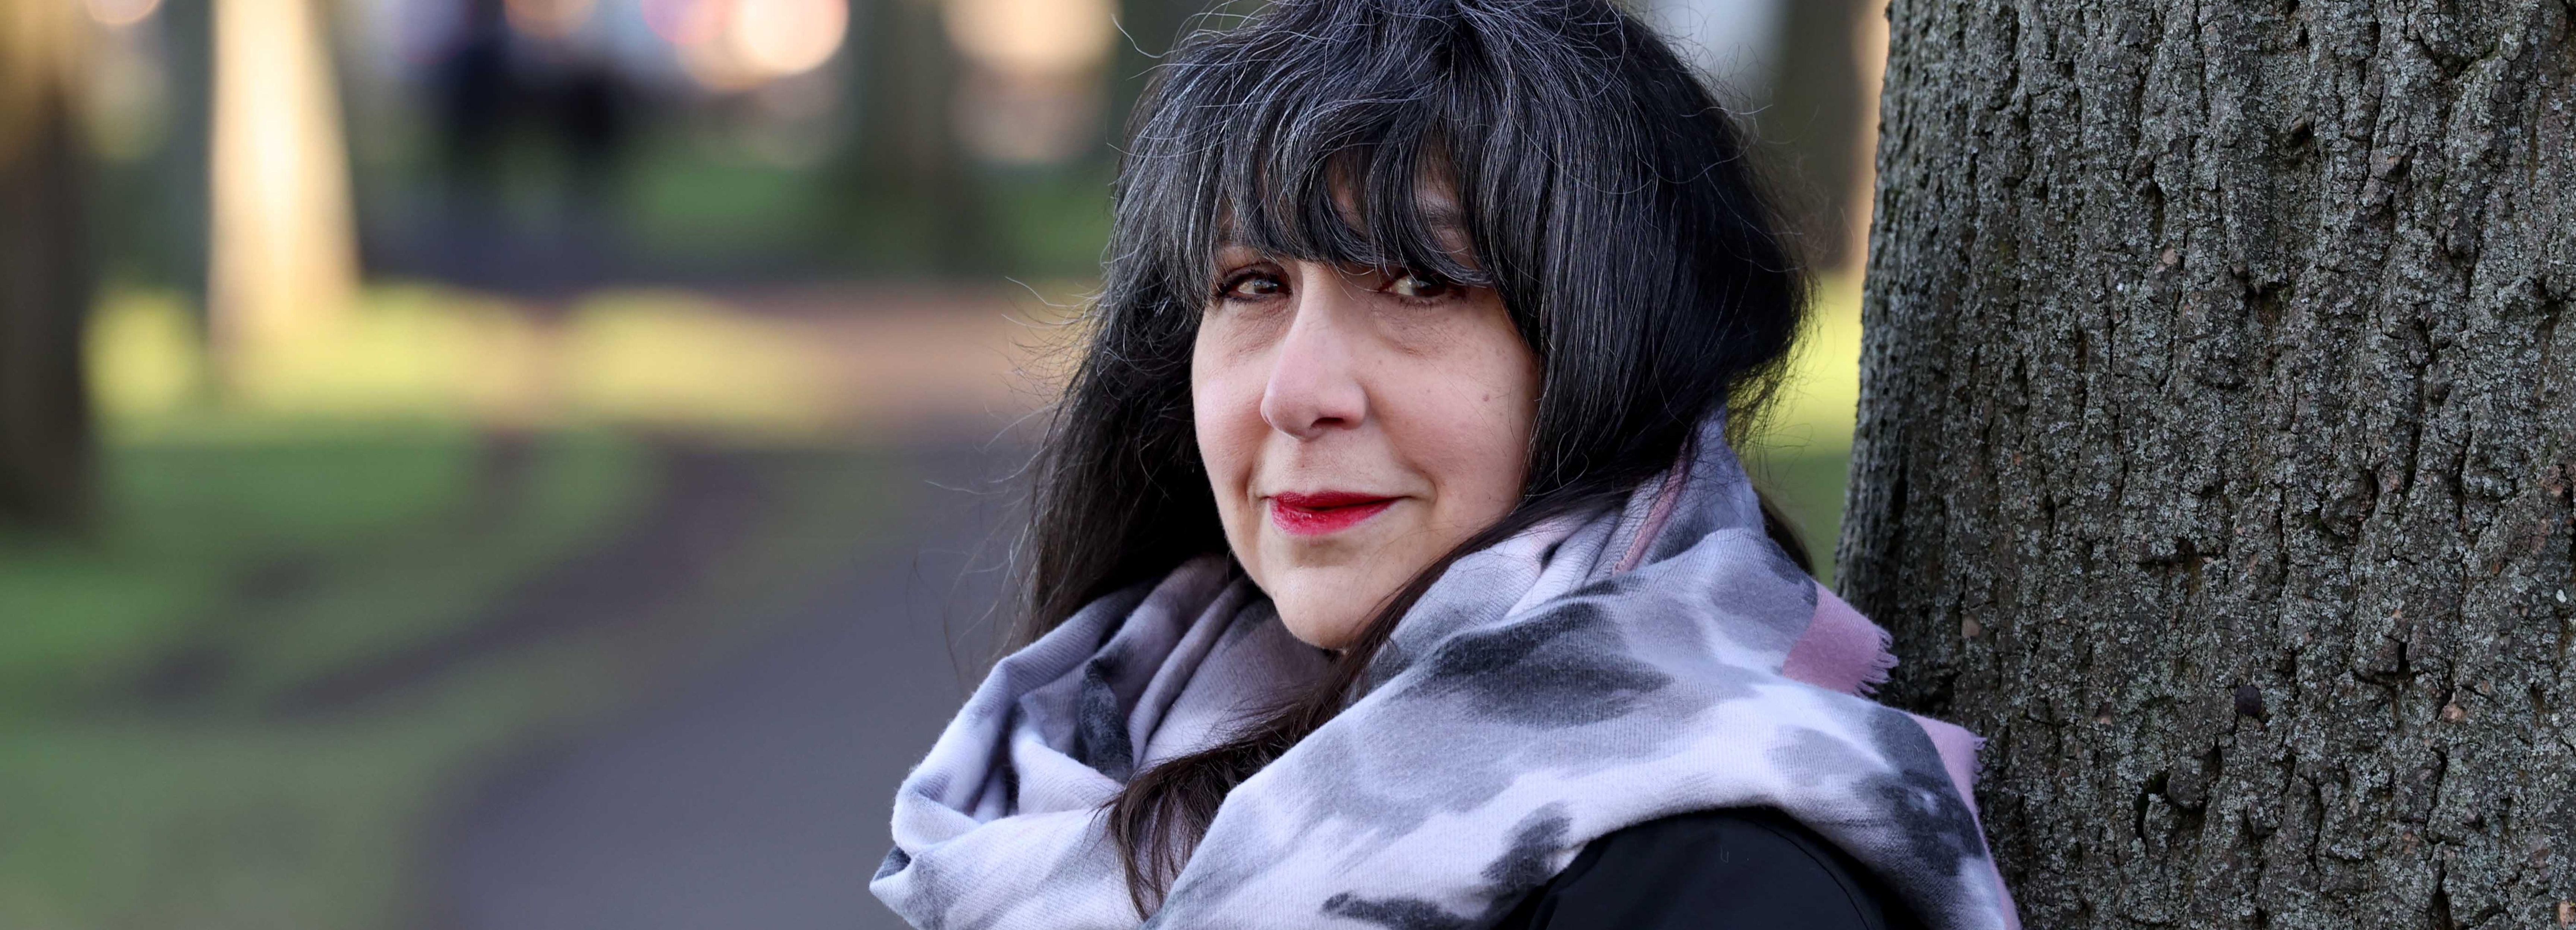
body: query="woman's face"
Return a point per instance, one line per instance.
(1356, 424)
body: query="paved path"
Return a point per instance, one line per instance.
(756, 795)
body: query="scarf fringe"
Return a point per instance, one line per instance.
(1881, 666)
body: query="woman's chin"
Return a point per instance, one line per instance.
(1327, 589)
(1321, 611)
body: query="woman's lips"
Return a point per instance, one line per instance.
(1324, 511)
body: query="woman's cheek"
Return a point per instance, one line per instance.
(1225, 401)
(1486, 440)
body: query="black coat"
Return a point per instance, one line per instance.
(1731, 869)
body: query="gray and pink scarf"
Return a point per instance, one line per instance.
(1588, 675)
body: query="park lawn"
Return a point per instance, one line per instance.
(172, 822)
(426, 580)
(127, 811)
(181, 524)
(351, 521)
(214, 807)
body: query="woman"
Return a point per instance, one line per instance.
(1390, 563)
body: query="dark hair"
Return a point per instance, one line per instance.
(1606, 195)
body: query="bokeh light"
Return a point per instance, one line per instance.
(737, 45)
(121, 12)
(1033, 37)
(782, 37)
(685, 23)
(1032, 94)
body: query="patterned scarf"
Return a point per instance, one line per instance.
(1588, 675)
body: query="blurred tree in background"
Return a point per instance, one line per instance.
(906, 175)
(283, 261)
(1822, 114)
(46, 274)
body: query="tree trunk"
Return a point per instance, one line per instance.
(2217, 437)
(283, 249)
(45, 279)
(906, 168)
(1813, 117)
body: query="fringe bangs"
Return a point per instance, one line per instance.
(1325, 137)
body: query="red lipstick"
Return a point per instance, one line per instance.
(1324, 511)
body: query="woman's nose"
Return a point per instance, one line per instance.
(1314, 381)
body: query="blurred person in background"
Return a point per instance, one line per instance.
(1391, 563)
(477, 94)
(494, 80)
(591, 114)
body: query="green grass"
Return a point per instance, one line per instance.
(416, 585)
(215, 812)
(206, 814)
(183, 522)
(370, 526)
(232, 823)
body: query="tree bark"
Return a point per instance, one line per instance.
(2216, 445)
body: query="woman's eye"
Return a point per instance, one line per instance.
(1249, 286)
(1421, 287)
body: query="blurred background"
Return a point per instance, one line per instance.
(549, 463)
